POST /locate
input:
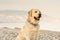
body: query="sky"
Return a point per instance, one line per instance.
(50, 10)
(46, 6)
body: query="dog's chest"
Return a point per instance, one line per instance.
(33, 33)
(33, 30)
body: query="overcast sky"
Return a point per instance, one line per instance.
(51, 8)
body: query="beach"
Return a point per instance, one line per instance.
(11, 34)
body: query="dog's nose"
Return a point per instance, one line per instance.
(39, 16)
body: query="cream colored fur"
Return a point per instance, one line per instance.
(31, 28)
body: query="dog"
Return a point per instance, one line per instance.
(31, 28)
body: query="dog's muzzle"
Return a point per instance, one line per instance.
(37, 18)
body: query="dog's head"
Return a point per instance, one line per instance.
(34, 15)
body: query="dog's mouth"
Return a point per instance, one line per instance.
(37, 18)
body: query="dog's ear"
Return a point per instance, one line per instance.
(30, 13)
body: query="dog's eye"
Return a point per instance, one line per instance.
(35, 11)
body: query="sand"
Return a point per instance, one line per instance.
(11, 34)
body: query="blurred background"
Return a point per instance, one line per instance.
(13, 13)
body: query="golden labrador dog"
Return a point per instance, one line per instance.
(31, 28)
